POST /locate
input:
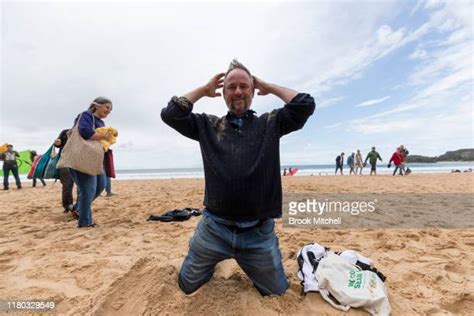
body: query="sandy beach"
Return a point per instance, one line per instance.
(128, 266)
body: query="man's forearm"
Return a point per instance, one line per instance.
(195, 95)
(283, 93)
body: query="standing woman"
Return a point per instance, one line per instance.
(90, 186)
(359, 163)
(33, 154)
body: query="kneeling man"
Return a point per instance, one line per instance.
(243, 192)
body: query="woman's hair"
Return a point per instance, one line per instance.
(96, 102)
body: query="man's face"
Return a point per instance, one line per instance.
(238, 91)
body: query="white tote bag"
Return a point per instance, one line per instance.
(350, 286)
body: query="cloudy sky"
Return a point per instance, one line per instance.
(383, 73)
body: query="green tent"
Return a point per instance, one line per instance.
(24, 162)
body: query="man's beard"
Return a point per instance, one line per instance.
(238, 109)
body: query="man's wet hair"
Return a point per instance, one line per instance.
(235, 64)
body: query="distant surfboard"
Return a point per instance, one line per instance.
(292, 172)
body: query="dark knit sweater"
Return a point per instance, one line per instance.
(241, 164)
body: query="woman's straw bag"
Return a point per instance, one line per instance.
(86, 156)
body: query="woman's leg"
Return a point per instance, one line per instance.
(108, 185)
(86, 185)
(100, 185)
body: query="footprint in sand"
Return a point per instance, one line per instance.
(461, 305)
(454, 268)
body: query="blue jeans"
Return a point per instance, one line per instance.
(108, 185)
(399, 167)
(255, 250)
(88, 189)
(6, 174)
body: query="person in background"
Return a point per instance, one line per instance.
(33, 154)
(108, 186)
(397, 159)
(66, 179)
(358, 162)
(9, 164)
(350, 163)
(372, 156)
(339, 163)
(404, 152)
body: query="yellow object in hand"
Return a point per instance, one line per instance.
(107, 130)
(3, 148)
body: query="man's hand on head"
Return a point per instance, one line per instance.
(208, 90)
(265, 88)
(216, 82)
(262, 86)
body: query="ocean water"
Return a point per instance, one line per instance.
(307, 170)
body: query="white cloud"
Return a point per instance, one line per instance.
(436, 112)
(419, 54)
(329, 102)
(441, 105)
(354, 61)
(373, 101)
(432, 4)
(418, 5)
(335, 125)
(438, 127)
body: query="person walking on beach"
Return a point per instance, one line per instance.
(108, 186)
(90, 186)
(33, 154)
(358, 162)
(372, 156)
(404, 152)
(243, 192)
(397, 159)
(350, 163)
(9, 164)
(65, 178)
(339, 163)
